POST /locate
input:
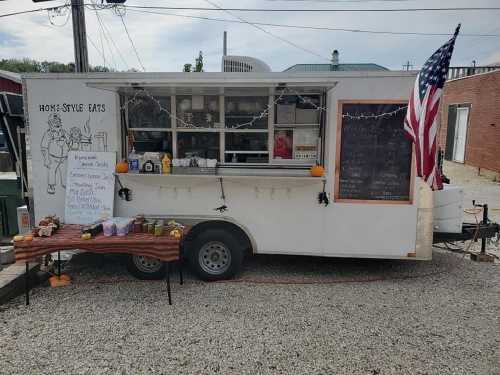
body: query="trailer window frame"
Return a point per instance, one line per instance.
(223, 130)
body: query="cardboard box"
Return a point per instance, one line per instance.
(285, 114)
(306, 116)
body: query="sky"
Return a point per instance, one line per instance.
(167, 42)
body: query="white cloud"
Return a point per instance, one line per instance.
(165, 43)
(493, 59)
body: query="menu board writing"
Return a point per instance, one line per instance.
(90, 186)
(375, 155)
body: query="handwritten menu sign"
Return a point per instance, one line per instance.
(375, 155)
(90, 186)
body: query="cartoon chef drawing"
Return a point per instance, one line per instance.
(55, 146)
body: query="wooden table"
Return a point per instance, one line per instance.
(68, 237)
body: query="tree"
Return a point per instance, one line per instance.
(198, 64)
(26, 65)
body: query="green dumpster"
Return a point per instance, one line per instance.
(10, 199)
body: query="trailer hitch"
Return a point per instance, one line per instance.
(484, 230)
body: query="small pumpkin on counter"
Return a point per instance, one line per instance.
(122, 166)
(28, 237)
(317, 171)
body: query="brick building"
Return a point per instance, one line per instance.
(470, 120)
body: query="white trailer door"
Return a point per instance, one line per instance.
(460, 134)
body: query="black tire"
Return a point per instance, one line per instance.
(216, 254)
(138, 267)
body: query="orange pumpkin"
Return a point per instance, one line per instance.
(122, 166)
(317, 171)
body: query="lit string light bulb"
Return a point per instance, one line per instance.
(373, 116)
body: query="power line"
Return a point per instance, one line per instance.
(269, 33)
(320, 28)
(94, 45)
(339, 1)
(114, 44)
(317, 9)
(32, 11)
(101, 32)
(131, 42)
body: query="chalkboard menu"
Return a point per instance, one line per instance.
(90, 186)
(375, 155)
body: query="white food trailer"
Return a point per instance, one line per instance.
(265, 130)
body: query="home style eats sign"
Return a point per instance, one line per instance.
(90, 186)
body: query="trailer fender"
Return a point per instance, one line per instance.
(237, 229)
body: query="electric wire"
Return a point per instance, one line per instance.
(137, 9)
(293, 44)
(318, 28)
(58, 12)
(32, 11)
(116, 46)
(340, 1)
(92, 43)
(131, 42)
(318, 10)
(100, 37)
(103, 30)
(448, 9)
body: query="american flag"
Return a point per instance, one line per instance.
(420, 123)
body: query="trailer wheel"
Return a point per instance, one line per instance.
(216, 254)
(145, 268)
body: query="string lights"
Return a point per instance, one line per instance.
(143, 93)
(374, 116)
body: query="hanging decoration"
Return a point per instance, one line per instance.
(374, 116)
(222, 208)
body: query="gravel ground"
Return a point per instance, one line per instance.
(284, 315)
(438, 317)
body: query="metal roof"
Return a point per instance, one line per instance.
(203, 83)
(339, 67)
(11, 76)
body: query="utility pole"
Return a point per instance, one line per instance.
(407, 66)
(79, 33)
(79, 36)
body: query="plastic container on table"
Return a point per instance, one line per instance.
(109, 228)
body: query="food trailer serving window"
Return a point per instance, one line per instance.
(244, 126)
(149, 125)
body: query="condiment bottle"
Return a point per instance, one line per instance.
(158, 229)
(133, 162)
(165, 163)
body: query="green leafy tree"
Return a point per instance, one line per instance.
(199, 63)
(32, 66)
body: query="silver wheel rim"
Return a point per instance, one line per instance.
(146, 264)
(214, 258)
